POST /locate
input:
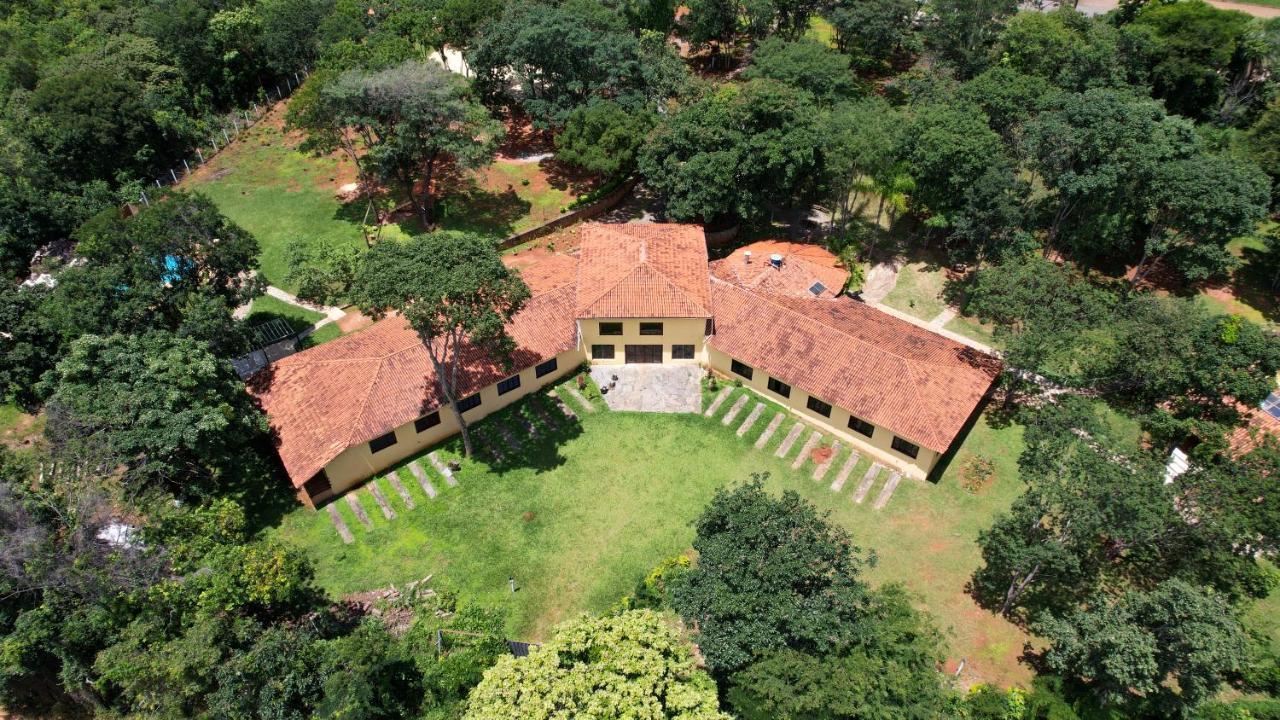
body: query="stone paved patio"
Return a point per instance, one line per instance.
(651, 388)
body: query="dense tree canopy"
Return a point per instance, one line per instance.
(627, 665)
(603, 137)
(771, 574)
(163, 406)
(564, 56)
(735, 152)
(805, 64)
(893, 673)
(454, 290)
(874, 32)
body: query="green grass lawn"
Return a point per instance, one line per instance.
(266, 307)
(973, 329)
(578, 521)
(263, 183)
(279, 194)
(824, 32)
(919, 291)
(18, 429)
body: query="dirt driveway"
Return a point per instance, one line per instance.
(1097, 7)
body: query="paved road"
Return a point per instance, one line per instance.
(1097, 7)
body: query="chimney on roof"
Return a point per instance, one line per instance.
(746, 256)
(775, 260)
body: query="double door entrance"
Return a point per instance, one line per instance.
(644, 353)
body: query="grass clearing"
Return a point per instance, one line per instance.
(579, 521)
(278, 194)
(973, 329)
(266, 307)
(823, 31)
(264, 184)
(1249, 293)
(919, 290)
(18, 429)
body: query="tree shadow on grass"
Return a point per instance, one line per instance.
(1253, 286)
(464, 205)
(527, 434)
(357, 212)
(563, 176)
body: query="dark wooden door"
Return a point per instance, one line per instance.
(644, 353)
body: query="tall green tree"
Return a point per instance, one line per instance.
(1195, 207)
(735, 153)
(961, 32)
(1097, 154)
(162, 406)
(565, 56)
(413, 119)
(947, 149)
(875, 32)
(891, 674)
(456, 294)
(603, 137)
(805, 64)
(1194, 53)
(632, 664)
(771, 574)
(859, 153)
(1146, 643)
(1065, 47)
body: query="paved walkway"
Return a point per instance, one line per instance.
(650, 388)
(928, 325)
(1098, 7)
(331, 314)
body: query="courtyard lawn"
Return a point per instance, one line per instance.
(578, 521)
(266, 307)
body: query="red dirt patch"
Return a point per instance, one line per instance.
(821, 454)
(353, 320)
(522, 139)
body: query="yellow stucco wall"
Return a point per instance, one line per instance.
(357, 464)
(878, 446)
(675, 331)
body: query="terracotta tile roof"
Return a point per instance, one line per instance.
(350, 390)
(802, 266)
(916, 384)
(543, 271)
(1258, 426)
(643, 270)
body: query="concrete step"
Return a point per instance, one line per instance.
(789, 440)
(845, 471)
(769, 430)
(805, 452)
(751, 419)
(718, 401)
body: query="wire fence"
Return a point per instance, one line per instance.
(226, 129)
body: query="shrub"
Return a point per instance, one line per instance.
(977, 473)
